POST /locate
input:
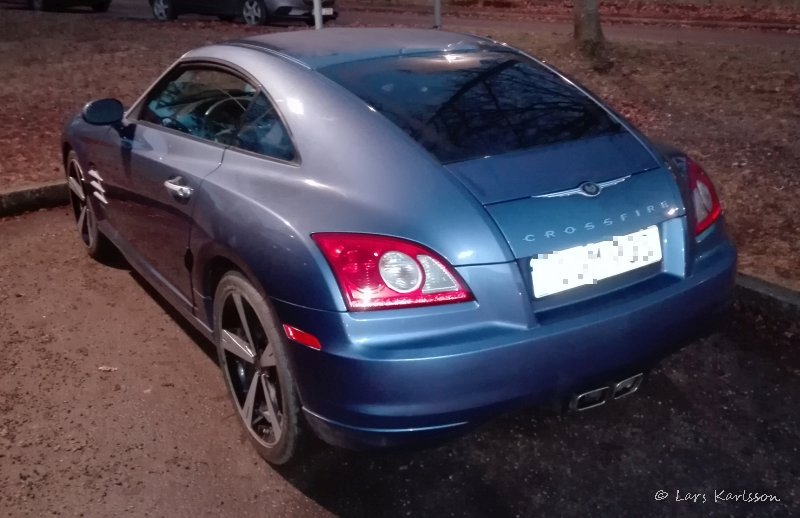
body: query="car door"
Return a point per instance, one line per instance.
(172, 141)
(262, 164)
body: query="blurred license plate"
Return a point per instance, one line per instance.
(581, 265)
(327, 11)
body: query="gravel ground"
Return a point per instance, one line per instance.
(110, 406)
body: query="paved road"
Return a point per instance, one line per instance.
(152, 432)
(140, 9)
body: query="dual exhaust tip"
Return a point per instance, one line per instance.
(598, 396)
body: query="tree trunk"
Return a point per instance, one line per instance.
(588, 33)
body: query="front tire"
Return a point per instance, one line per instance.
(96, 244)
(163, 10)
(254, 12)
(255, 368)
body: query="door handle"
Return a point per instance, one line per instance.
(177, 189)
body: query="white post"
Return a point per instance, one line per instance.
(437, 14)
(317, 14)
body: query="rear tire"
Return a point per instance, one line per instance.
(252, 357)
(163, 10)
(83, 208)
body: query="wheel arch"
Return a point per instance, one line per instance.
(66, 147)
(210, 267)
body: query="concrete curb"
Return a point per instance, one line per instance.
(53, 194)
(768, 299)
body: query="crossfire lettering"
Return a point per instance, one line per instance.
(607, 222)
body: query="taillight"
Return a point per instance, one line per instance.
(378, 272)
(704, 197)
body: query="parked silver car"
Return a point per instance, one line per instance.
(253, 12)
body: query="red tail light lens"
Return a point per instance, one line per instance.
(704, 197)
(301, 337)
(378, 272)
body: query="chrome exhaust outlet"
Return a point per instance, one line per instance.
(590, 399)
(628, 386)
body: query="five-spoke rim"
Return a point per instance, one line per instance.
(160, 9)
(251, 12)
(251, 369)
(81, 207)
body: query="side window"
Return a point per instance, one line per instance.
(203, 102)
(263, 132)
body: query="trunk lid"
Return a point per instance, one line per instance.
(543, 170)
(532, 195)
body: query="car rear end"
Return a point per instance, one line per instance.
(301, 10)
(618, 256)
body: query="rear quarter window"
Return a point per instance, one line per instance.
(461, 106)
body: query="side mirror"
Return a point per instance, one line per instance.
(103, 112)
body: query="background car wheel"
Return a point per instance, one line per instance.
(41, 5)
(97, 246)
(101, 7)
(163, 10)
(254, 12)
(254, 365)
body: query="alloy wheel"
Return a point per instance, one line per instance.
(250, 368)
(252, 12)
(81, 206)
(161, 9)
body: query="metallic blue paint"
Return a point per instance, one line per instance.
(392, 376)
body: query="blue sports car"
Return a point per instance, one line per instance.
(393, 234)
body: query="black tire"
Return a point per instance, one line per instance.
(101, 7)
(163, 10)
(254, 12)
(84, 208)
(41, 5)
(256, 366)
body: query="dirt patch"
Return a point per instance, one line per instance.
(734, 108)
(737, 12)
(94, 395)
(54, 62)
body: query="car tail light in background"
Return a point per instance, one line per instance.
(704, 197)
(378, 272)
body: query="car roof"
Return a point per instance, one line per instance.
(316, 49)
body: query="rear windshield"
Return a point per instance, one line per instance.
(467, 105)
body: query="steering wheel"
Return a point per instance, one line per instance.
(215, 117)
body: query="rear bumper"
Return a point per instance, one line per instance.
(420, 375)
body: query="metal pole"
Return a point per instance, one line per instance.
(437, 14)
(317, 14)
